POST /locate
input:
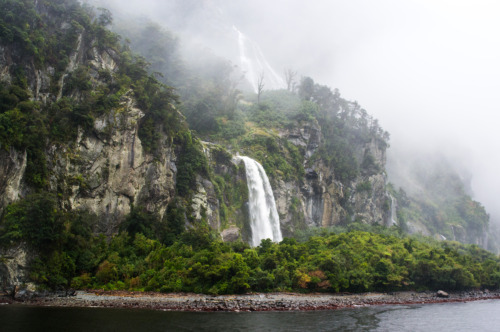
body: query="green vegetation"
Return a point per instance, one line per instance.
(36, 36)
(365, 186)
(219, 113)
(442, 204)
(176, 253)
(279, 158)
(191, 161)
(62, 240)
(70, 255)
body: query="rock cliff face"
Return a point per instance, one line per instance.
(434, 198)
(106, 169)
(14, 268)
(12, 167)
(320, 200)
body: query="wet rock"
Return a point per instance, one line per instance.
(231, 234)
(311, 173)
(441, 293)
(23, 295)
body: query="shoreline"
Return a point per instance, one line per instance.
(245, 302)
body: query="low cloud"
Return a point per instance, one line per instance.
(428, 70)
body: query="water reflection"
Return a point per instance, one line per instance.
(473, 316)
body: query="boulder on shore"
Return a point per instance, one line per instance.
(441, 293)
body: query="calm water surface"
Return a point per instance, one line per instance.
(472, 316)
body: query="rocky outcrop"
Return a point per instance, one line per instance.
(320, 200)
(205, 204)
(13, 268)
(12, 167)
(230, 234)
(108, 171)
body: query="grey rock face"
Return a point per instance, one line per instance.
(230, 234)
(13, 268)
(12, 167)
(319, 200)
(204, 203)
(109, 171)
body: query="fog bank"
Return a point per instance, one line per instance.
(427, 69)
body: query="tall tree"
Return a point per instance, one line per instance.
(306, 88)
(260, 86)
(290, 79)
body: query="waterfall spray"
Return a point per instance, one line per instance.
(264, 219)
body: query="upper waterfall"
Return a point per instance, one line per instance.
(254, 64)
(264, 219)
(392, 220)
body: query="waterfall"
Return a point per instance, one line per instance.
(264, 219)
(254, 64)
(392, 218)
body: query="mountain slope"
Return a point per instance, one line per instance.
(101, 162)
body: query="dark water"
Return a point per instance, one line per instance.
(472, 316)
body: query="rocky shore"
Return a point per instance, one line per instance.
(250, 302)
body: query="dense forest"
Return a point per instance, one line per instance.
(196, 112)
(356, 258)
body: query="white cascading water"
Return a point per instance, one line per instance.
(264, 219)
(392, 217)
(254, 64)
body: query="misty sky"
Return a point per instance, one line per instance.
(429, 70)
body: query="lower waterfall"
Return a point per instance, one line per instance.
(264, 219)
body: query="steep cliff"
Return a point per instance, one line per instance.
(334, 148)
(101, 146)
(435, 198)
(94, 148)
(325, 160)
(93, 159)
(82, 121)
(220, 113)
(321, 198)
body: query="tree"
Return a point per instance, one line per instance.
(260, 86)
(306, 88)
(290, 79)
(140, 221)
(34, 220)
(105, 17)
